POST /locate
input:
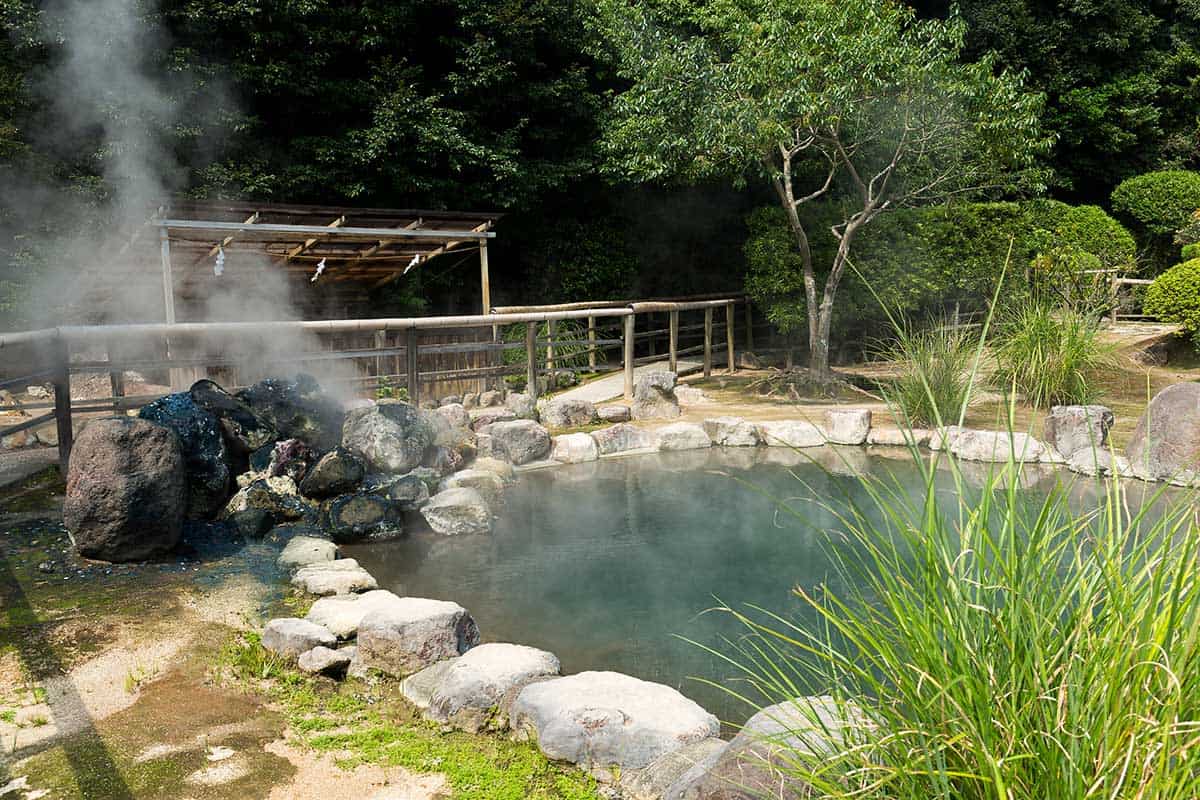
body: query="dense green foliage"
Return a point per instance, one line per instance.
(1175, 297)
(1050, 354)
(1157, 205)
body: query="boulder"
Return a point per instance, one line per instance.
(755, 764)
(488, 484)
(654, 396)
(1166, 443)
(790, 433)
(412, 633)
(244, 429)
(470, 400)
(574, 448)
(502, 468)
(337, 472)
(450, 400)
(601, 720)
(443, 460)
(253, 523)
(277, 495)
(341, 614)
(1070, 429)
(297, 409)
(622, 438)
(995, 446)
(731, 432)
(683, 436)
(489, 398)
(455, 415)
(410, 492)
(390, 436)
(322, 661)
(899, 437)
(489, 415)
(655, 779)
(284, 533)
(524, 405)
(126, 490)
(617, 413)
(302, 551)
(479, 686)
(520, 441)
(289, 636)
(203, 446)
(690, 395)
(341, 576)
(565, 412)
(363, 517)
(1098, 462)
(943, 438)
(290, 457)
(457, 512)
(419, 687)
(847, 425)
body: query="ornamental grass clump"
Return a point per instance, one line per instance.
(935, 373)
(1006, 647)
(1050, 354)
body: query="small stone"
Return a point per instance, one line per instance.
(683, 436)
(489, 415)
(524, 405)
(337, 472)
(489, 398)
(410, 492)
(341, 576)
(790, 433)
(899, 437)
(617, 413)
(322, 660)
(996, 446)
(623, 438)
(565, 412)
(499, 467)
(654, 396)
(364, 517)
(289, 637)
(488, 484)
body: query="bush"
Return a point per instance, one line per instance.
(1190, 251)
(1175, 297)
(935, 380)
(1157, 205)
(1049, 354)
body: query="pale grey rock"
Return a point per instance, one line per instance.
(943, 438)
(470, 400)
(653, 780)
(410, 492)
(622, 438)
(566, 412)
(847, 425)
(457, 512)
(614, 413)
(412, 633)
(519, 441)
(602, 720)
(390, 436)
(289, 636)
(731, 432)
(524, 405)
(490, 415)
(455, 415)
(790, 433)
(322, 660)
(487, 483)
(682, 436)
(654, 396)
(574, 448)
(898, 437)
(1166, 443)
(477, 688)
(341, 576)
(996, 446)
(690, 395)
(302, 551)
(490, 398)
(341, 614)
(419, 687)
(495, 465)
(1099, 462)
(1070, 429)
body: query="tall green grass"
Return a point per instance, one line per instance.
(1050, 354)
(935, 372)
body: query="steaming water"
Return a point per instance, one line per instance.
(607, 564)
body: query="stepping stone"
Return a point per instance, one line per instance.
(289, 636)
(342, 576)
(411, 633)
(322, 660)
(683, 436)
(341, 614)
(301, 551)
(477, 688)
(790, 433)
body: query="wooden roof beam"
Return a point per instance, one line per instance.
(481, 228)
(228, 240)
(298, 249)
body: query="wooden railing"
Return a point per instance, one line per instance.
(393, 352)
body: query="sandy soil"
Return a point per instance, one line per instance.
(318, 778)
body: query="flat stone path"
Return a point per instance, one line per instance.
(612, 386)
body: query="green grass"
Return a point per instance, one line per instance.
(935, 378)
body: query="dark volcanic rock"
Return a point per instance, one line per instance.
(339, 471)
(260, 459)
(296, 409)
(253, 523)
(290, 457)
(203, 446)
(363, 517)
(276, 495)
(245, 429)
(410, 492)
(126, 490)
(390, 436)
(282, 534)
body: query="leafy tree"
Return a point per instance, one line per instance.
(855, 100)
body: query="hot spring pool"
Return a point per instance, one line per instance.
(608, 564)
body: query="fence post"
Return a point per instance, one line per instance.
(61, 379)
(749, 325)
(380, 361)
(592, 344)
(628, 343)
(412, 353)
(116, 377)
(673, 341)
(1112, 298)
(731, 364)
(531, 386)
(708, 319)
(549, 345)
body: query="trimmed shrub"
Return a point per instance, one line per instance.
(1156, 205)
(1175, 297)
(1190, 251)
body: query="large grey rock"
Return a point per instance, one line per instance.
(655, 779)
(127, 489)
(574, 448)
(277, 495)
(455, 415)
(495, 465)
(1070, 429)
(289, 636)
(478, 687)
(943, 438)
(565, 412)
(390, 436)
(682, 436)
(490, 415)
(601, 720)
(654, 396)
(847, 425)
(732, 432)
(996, 446)
(615, 413)
(488, 484)
(690, 395)
(1098, 462)
(410, 492)
(337, 472)
(899, 437)
(519, 441)
(363, 517)
(341, 576)
(491, 397)
(622, 438)
(420, 687)
(413, 633)
(302, 551)
(791, 433)
(203, 446)
(524, 405)
(1166, 443)
(322, 660)
(458, 512)
(341, 614)
(754, 766)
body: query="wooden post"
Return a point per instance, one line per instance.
(708, 322)
(177, 378)
(1112, 298)
(531, 359)
(412, 354)
(549, 345)
(116, 377)
(731, 364)
(651, 338)
(61, 379)
(673, 341)
(485, 283)
(592, 344)
(749, 326)
(628, 345)
(380, 361)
